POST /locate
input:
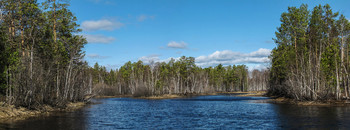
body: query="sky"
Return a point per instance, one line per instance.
(215, 32)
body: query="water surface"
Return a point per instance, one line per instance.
(203, 112)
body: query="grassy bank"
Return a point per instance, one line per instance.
(283, 100)
(172, 96)
(247, 94)
(116, 96)
(10, 113)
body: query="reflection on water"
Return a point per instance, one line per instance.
(301, 117)
(60, 120)
(203, 112)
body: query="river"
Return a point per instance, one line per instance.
(202, 112)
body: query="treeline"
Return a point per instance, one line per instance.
(180, 76)
(311, 60)
(258, 80)
(40, 54)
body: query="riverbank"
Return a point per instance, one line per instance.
(283, 100)
(117, 96)
(247, 94)
(173, 96)
(10, 113)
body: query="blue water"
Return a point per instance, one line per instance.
(203, 112)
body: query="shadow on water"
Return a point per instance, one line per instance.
(58, 120)
(220, 98)
(313, 117)
(201, 112)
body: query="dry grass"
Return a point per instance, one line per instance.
(117, 96)
(253, 94)
(10, 113)
(165, 96)
(74, 106)
(172, 96)
(248, 94)
(282, 100)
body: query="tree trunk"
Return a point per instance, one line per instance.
(337, 74)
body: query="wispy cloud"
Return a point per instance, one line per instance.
(268, 41)
(99, 39)
(177, 45)
(257, 67)
(178, 52)
(149, 59)
(228, 57)
(96, 56)
(103, 24)
(254, 60)
(112, 66)
(144, 17)
(103, 1)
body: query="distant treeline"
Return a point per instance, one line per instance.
(175, 77)
(311, 60)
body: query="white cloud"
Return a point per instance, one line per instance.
(262, 52)
(149, 59)
(155, 58)
(254, 60)
(102, 24)
(99, 39)
(177, 45)
(144, 17)
(96, 56)
(257, 67)
(228, 57)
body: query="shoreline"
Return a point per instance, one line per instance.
(272, 99)
(247, 94)
(283, 100)
(173, 96)
(117, 96)
(10, 113)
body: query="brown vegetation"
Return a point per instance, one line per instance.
(282, 100)
(10, 113)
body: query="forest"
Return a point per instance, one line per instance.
(41, 55)
(311, 60)
(42, 63)
(175, 77)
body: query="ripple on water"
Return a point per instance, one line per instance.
(202, 112)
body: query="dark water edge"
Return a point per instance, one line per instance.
(202, 112)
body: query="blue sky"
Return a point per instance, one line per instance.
(213, 31)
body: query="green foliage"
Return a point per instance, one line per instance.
(308, 62)
(176, 76)
(38, 66)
